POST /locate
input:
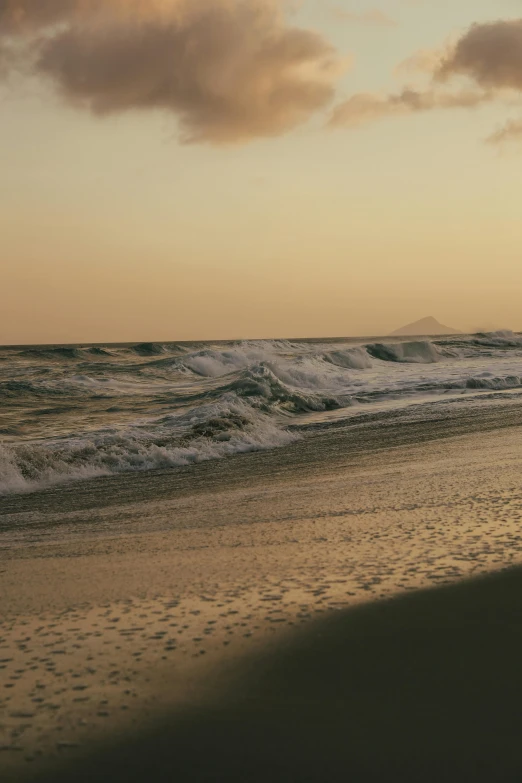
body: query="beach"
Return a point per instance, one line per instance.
(153, 619)
(260, 392)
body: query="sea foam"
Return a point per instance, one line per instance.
(78, 412)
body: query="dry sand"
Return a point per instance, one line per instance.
(273, 631)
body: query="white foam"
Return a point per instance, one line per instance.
(236, 397)
(311, 373)
(213, 362)
(503, 338)
(148, 445)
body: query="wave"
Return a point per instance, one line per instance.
(213, 432)
(75, 386)
(213, 363)
(351, 359)
(423, 352)
(215, 400)
(504, 338)
(148, 349)
(67, 353)
(95, 350)
(485, 382)
(495, 384)
(263, 383)
(19, 389)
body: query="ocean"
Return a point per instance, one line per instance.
(71, 413)
(181, 522)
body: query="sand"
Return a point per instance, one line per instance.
(319, 625)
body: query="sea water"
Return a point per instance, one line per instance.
(69, 413)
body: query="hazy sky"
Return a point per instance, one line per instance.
(198, 169)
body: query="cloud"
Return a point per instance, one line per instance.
(364, 108)
(230, 70)
(482, 66)
(19, 17)
(489, 54)
(511, 131)
(425, 61)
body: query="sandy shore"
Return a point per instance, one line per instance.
(272, 630)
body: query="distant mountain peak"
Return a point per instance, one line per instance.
(424, 327)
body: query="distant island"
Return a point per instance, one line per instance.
(426, 326)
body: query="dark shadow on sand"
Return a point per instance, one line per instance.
(426, 687)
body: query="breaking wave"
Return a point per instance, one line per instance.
(417, 352)
(263, 383)
(350, 359)
(71, 413)
(504, 338)
(220, 430)
(213, 363)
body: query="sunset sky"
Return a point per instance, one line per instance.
(212, 169)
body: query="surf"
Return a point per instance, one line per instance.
(76, 412)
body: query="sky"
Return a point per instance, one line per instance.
(228, 169)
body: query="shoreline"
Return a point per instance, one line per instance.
(152, 590)
(351, 442)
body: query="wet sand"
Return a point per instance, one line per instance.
(272, 630)
(421, 688)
